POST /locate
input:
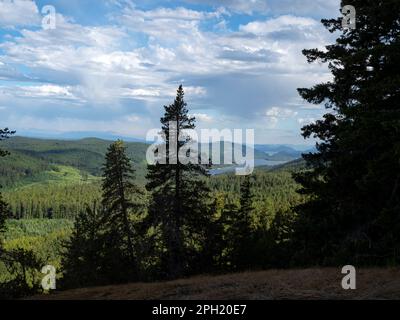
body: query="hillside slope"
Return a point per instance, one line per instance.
(264, 285)
(30, 157)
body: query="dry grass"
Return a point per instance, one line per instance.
(308, 284)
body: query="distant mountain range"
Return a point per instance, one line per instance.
(283, 152)
(108, 136)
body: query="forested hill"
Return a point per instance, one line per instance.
(61, 177)
(37, 160)
(32, 160)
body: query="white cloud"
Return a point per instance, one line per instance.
(15, 13)
(39, 91)
(203, 117)
(195, 91)
(275, 114)
(304, 121)
(282, 23)
(240, 73)
(238, 6)
(281, 113)
(122, 125)
(8, 72)
(141, 93)
(328, 8)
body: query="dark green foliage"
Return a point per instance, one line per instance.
(40, 175)
(104, 245)
(83, 261)
(353, 213)
(120, 200)
(21, 264)
(4, 209)
(66, 201)
(24, 266)
(31, 157)
(178, 210)
(4, 213)
(242, 234)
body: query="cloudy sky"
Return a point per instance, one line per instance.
(111, 65)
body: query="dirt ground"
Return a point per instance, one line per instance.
(308, 284)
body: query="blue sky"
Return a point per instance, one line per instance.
(111, 65)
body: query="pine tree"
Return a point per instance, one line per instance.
(354, 187)
(242, 234)
(179, 206)
(246, 200)
(103, 246)
(22, 264)
(4, 209)
(4, 212)
(83, 262)
(120, 197)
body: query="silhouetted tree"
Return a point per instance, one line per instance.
(4, 209)
(83, 262)
(242, 233)
(179, 208)
(354, 187)
(120, 199)
(103, 245)
(22, 264)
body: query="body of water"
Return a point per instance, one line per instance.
(257, 163)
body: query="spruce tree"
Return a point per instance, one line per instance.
(242, 234)
(83, 262)
(120, 198)
(103, 246)
(22, 264)
(354, 187)
(179, 208)
(4, 209)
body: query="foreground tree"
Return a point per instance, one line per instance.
(103, 246)
(22, 264)
(242, 235)
(119, 191)
(354, 187)
(179, 208)
(4, 209)
(83, 261)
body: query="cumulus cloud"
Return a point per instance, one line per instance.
(134, 63)
(304, 121)
(14, 13)
(275, 114)
(282, 23)
(46, 91)
(203, 117)
(237, 6)
(296, 7)
(8, 72)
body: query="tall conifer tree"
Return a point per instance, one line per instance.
(242, 235)
(119, 201)
(179, 206)
(4, 209)
(353, 215)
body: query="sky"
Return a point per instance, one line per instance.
(111, 65)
